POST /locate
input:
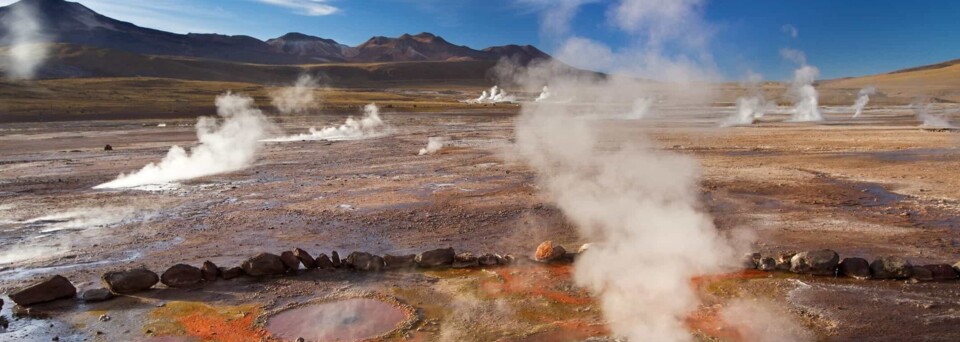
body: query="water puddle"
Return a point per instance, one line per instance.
(345, 320)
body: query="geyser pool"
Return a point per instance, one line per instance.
(343, 320)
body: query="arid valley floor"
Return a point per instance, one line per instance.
(873, 186)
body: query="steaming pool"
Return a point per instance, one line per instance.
(342, 320)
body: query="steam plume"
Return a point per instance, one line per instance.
(26, 40)
(806, 102)
(931, 120)
(749, 108)
(496, 95)
(544, 95)
(370, 126)
(763, 322)
(297, 99)
(434, 144)
(224, 146)
(863, 97)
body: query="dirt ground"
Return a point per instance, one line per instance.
(878, 185)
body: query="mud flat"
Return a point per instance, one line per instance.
(878, 185)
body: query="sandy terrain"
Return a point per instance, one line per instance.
(875, 186)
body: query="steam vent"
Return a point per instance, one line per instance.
(571, 171)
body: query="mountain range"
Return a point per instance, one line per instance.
(73, 23)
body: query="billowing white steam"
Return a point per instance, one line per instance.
(931, 120)
(27, 48)
(370, 126)
(806, 98)
(225, 146)
(434, 144)
(297, 99)
(863, 97)
(749, 109)
(544, 95)
(763, 322)
(495, 95)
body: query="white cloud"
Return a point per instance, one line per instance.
(305, 7)
(790, 30)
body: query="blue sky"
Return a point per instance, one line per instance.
(842, 38)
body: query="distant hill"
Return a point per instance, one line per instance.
(72, 23)
(938, 82)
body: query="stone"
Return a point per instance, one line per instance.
(783, 260)
(748, 262)
(130, 280)
(489, 260)
(547, 252)
(857, 268)
(108, 148)
(209, 271)
(442, 257)
(4, 324)
(364, 261)
(397, 262)
(891, 267)
(290, 261)
(820, 262)
(768, 264)
(230, 273)
(96, 295)
(508, 259)
(324, 262)
(305, 258)
(465, 260)
(335, 259)
(918, 273)
(264, 264)
(181, 275)
(47, 290)
(22, 311)
(942, 271)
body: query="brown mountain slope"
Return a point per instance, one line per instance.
(939, 82)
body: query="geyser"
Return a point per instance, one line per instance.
(297, 99)
(805, 96)
(27, 48)
(863, 97)
(224, 146)
(495, 95)
(434, 144)
(369, 126)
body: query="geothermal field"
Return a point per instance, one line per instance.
(162, 187)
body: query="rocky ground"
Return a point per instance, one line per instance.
(866, 188)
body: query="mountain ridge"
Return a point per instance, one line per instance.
(73, 23)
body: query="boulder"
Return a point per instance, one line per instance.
(335, 259)
(942, 271)
(130, 280)
(768, 264)
(918, 273)
(230, 273)
(783, 260)
(891, 267)
(324, 262)
(290, 261)
(209, 271)
(264, 264)
(364, 261)
(305, 258)
(489, 259)
(47, 290)
(108, 148)
(820, 262)
(547, 252)
(442, 257)
(857, 268)
(181, 275)
(465, 260)
(396, 262)
(96, 295)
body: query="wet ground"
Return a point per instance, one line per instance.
(879, 185)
